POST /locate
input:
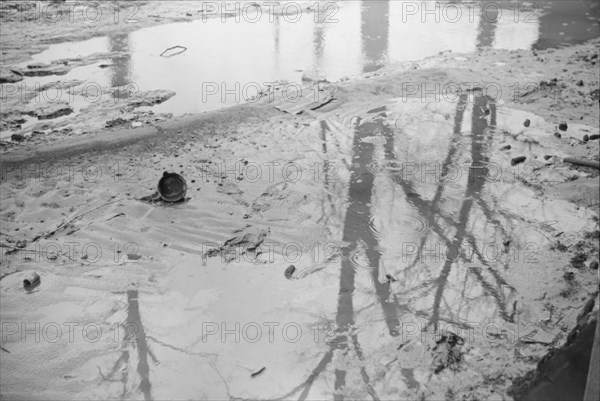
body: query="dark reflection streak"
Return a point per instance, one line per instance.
(374, 33)
(121, 68)
(474, 188)
(138, 337)
(476, 181)
(277, 38)
(487, 27)
(319, 45)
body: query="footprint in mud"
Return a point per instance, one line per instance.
(274, 193)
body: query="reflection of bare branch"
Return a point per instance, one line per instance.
(482, 107)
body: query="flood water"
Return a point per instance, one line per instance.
(228, 60)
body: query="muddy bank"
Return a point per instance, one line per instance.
(563, 373)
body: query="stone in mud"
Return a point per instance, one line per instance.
(594, 137)
(447, 352)
(527, 123)
(594, 265)
(47, 111)
(17, 137)
(563, 126)
(506, 147)
(558, 135)
(517, 160)
(8, 77)
(586, 138)
(580, 83)
(11, 121)
(289, 272)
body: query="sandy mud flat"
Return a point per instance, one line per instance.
(376, 239)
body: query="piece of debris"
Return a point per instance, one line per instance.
(582, 162)
(258, 372)
(31, 281)
(447, 352)
(517, 160)
(527, 123)
(170, 51)
(289, 272)
(390, 278)
(563, 126)
(242, 244)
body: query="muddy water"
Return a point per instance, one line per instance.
(227, 61)
(445, 250)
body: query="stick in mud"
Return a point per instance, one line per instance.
(582, 162)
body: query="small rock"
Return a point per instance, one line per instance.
(580, 83)
(289, 272)
(594, 265)
(506, 147)
(594, 137)
(586, 138)
(563, 126)
(527, 123)
(17, 137)
(517, 160)
(547, 157)
(558, 135)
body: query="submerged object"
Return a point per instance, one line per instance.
(172, 187)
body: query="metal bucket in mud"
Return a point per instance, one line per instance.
(172, 187)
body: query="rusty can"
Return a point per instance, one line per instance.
(172, 187)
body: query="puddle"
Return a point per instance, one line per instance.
(227, 62)
(417, 255)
